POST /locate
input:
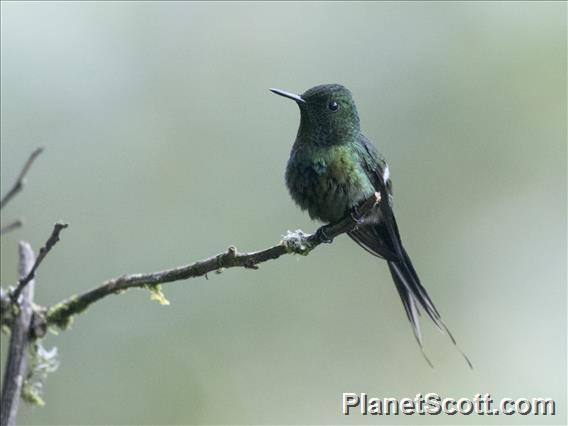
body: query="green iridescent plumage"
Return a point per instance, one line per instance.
(332, 168)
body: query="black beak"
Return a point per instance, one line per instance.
(288, 95)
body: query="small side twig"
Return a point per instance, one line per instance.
(50, 243)
(60, 315)
(15, 368)
(20, 181)
(11, 226)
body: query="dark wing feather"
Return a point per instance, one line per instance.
(371, 238)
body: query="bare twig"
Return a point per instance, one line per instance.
(20, 181)
(296, 242)
(11, 226)
(50, 243)
(15, 367)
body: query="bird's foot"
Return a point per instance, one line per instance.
(355, 215)
(322, 236)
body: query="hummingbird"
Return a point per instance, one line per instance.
(332, 168)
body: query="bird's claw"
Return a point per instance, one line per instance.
(322, 236)
(355, 216)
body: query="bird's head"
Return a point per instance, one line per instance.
(328, 114)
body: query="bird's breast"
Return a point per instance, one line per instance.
(327, 181)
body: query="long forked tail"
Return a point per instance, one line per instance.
(414, 297)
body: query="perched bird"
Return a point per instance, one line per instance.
(332, 168)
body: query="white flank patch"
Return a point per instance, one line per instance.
(386, 174)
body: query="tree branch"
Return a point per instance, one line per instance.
(20, 181)
(15, 368)
(50, 243)
(296, 242)
(11, 226)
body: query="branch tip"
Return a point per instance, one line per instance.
(11, 226)
(50, 243)
(20, 181)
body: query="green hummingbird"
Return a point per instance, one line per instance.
(332, 168)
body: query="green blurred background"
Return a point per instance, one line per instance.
(164, 146)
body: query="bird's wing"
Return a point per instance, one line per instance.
(381, 239)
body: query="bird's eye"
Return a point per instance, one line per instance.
(333, 106)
